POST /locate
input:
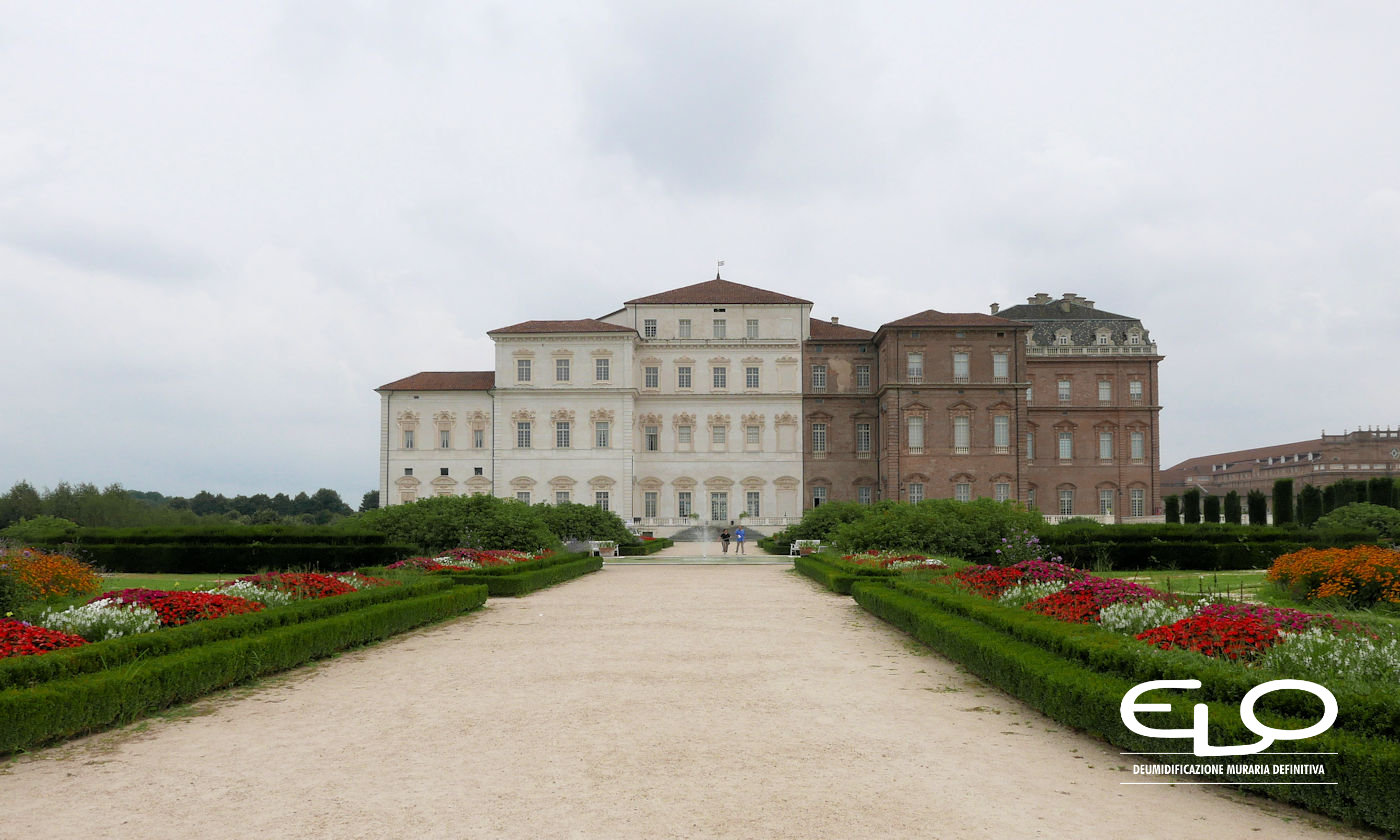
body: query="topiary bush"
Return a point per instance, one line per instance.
(1385, 521)
(970, 530)
(444, 522)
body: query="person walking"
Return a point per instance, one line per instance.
(724, 540)
(739, 540)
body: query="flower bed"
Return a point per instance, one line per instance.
(1363, 575)
(45, 575)
(20, 638)
(467, 558)
(178, 608)
(894, 560)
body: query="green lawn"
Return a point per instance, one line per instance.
(1249, 581)
(137, 580)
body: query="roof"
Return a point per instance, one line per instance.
(1203, 463)
(827, 331)
(934, 318)
(1055, 311)
(444, 380)
(581, 325)
(718, 291)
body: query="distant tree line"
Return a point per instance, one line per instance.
(1308, 507)
(116, 507)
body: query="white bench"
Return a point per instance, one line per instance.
(794, 549)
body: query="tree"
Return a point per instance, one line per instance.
(1172, 509)
(574, 521)
(1258, 508)
(1212, 509)
(1232, 508)
(1191, 502)
(1283, 501)
(22, 502)
(1381, 492)
(443, 522)
(1309, 505)
(370, 501)
(1363, 515)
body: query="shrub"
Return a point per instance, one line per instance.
(102, 619)
(575, 521)
(1309, 505)
(1362, 575)
(1172, 508)
(1385, 521)
(42, 530)
(442, 522)
(1191, 506)
(1381, 491)
(970, 530)
(46, 575)
(1212, 509)
(20, 638)
(1258, 508)
(1233, 513)
(820, 523)
(1283, 501)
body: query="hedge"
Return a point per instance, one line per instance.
(521, 583)
(229, 535)
(837, 574)
(244, 558)
(63, 708)
(19, 671)
(647, 547)
(1367, 769)
(1362, 712)
(1201, 547)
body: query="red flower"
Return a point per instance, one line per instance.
(178, 608)
(18, 638)
(1233, 637)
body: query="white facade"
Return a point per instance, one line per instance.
(658, 410)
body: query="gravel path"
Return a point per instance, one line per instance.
(642, 701)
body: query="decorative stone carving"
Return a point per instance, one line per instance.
(601, 415)
(476, 419)
(785, 419)
(601, 482)
(562, 415)
(752, 419)
(444, 420)
(562, 482)
(717, 419)
(522, 415)
(684, 418)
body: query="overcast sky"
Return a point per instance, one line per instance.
(223, 225)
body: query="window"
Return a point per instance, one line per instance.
(603, 368)
(652, 436)
(916, 434)
(751, 502)
(1066, 446)
(1030, 446)
(1030, 394)
(1001, 491)
(750, 377)
(862, 377)
(683, 329)
(683, 503)
(522, 370)
(408, 470)
(407, 438)
(1105, 391)
(914, 366)
(719, 435)
(962, 491)
(1105, 503)
(1138, 442)
(561, 370)
(683, 435)
(476, 470)
(1137, 502)
(683, 376)
(1062, 338)
(1105, 446)
(1064, 391)
(1030, 498)
(1134, 338)
(752, 435)
(601, 434)
(1067, 502)
(751, 328)
(818, 377)
(818, 496)
(651, 376)
(962, 435)
(863, 438)
(1102, 338)
(649, 504)
(916, 491)
(561, 497)
(522, 434)
(719, 328)
(522, 496)
(819, 438)
(562, 433)
(600, 499)
(961, 370)
(719, 506)
(478, 438)
(1001, 434)
(1135, 390)
(865, 495)
(1001, 367)
(721, 377)
(444, 439)
(649, 327)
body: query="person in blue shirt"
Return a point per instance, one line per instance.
(739, 540)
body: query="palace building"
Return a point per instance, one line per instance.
(718, 399)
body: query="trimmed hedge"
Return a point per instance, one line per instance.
(837, 574)
(1203, 547)
(1367, 769)
(647, 547)
(63, 708)
(521, 583)
(20, 671)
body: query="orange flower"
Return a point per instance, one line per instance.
(1362, 575)
(50, 575)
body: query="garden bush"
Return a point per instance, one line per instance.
(521, 581)
(1385, 521)
(1200, 547)
(969, 530)
(645, 547)
(443, 522)
(1258, 505)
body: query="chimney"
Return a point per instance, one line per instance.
(995, 308)
(1069, 296)
(1040, 298)
(835, 320)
